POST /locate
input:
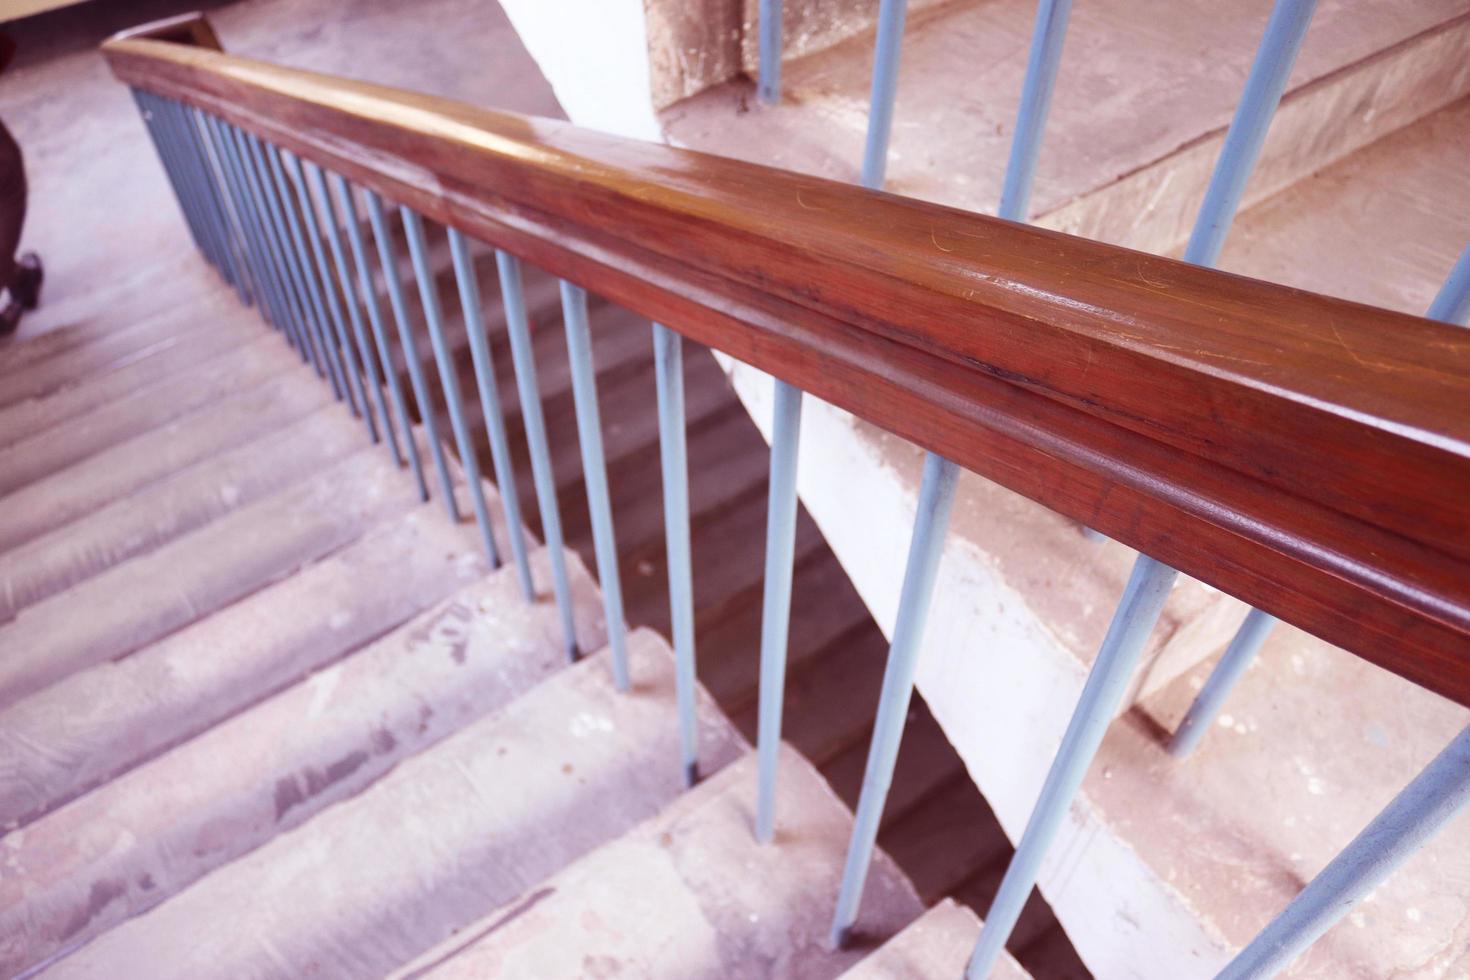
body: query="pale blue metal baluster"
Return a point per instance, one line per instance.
(413, 230)
(268, 291)
(371, 381)
(1143, 601)
(594, 474)
(668, 360)
(484, 364)
(936, 497)
(239, 233)
(169, 156)
(356, 398)
(1435, 797)
(274, 270)
(776, 599)
(235, 181)
(380, 335)
(193, 130)
(296, 286)
(1233, 663)
(523, 356)
(301, 263)
(1451, 305)
(768, 88)
(184, 124)
(1135, 616)
(411, 357)
(885, 87)
(275, 251)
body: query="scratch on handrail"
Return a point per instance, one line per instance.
(936, 242)
(803, 203)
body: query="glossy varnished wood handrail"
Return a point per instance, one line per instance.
(1309, 455)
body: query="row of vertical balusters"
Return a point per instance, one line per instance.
(1425, 805)
(288, 236)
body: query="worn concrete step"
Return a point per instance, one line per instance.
(1145, 92)
(45, 364)
(143, 600)
(691, 894)
(149, 407)
(149, 834)
(83, 392)
(935, 946)
(447, 836)
(72, 489)
(106, 719)
(173, 506)
(180, 314)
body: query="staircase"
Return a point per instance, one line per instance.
(252, 680)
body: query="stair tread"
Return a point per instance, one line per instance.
(153, 831)
(1141, 83)
(83, 392)
(107, 718)
(167, 400)
(179, 503)
(121, 469)
(935, 946)
(690, 893)
(141, 600)
(374, 880)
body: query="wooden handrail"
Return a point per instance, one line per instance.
(1306, 454)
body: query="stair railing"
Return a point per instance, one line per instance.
(1308, 455)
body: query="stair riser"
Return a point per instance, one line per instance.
(1153, 208)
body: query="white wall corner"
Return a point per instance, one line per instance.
(595, 55)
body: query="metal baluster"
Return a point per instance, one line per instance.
(1135, 616)
(290, 259)
(354, 318)
(356, 400)
(885, 87)
(183, 121)
(169, 156)
(668, 359)
(936, 498)
(524, 358)
(413, 230)
(234, 216)
(1435, 797)
(267, 288)
(274, 269)
(484, 364)
(1451, 305)
(1143, 601)
(768, 89)
(594, 473)
(380, 335)
(776, 599)
(235, 183)
(275, 252)
(303, 268)
(410, 347)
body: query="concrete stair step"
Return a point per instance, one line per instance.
(448, 835)
(140, 601)
(150, 833)
(691, 894)
(935, 946)
(154, 405)
(176, 505)
(25, 352)
(84, 392)
(108, 718)
(69, 489)
(1139, 112)
(172, 337)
